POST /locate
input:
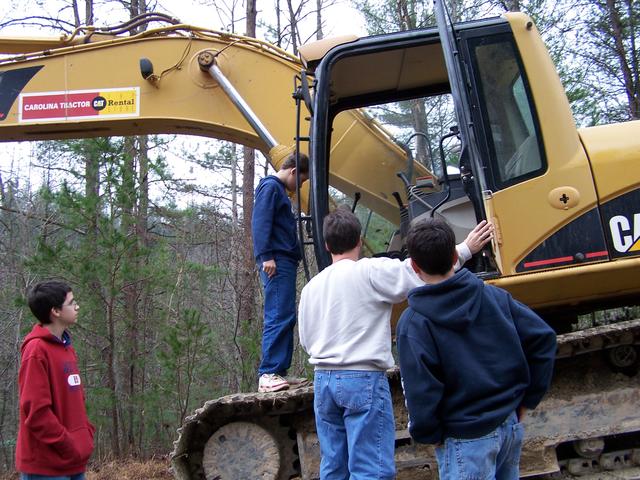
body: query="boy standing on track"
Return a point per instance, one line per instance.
(277, 253)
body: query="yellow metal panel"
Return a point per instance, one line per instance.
(525, 214)
(574, 285)
(614, 152)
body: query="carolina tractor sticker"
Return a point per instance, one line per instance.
(625, 233)
(80, 104)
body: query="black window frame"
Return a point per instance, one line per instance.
(470, 40)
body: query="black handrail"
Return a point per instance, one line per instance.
(299, 96)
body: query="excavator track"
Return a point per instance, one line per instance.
(599, 338)
(593, 401)
(264, 410)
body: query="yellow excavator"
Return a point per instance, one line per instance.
(565, 202)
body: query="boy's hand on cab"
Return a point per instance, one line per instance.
(479, 236)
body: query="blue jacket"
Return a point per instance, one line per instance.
(469, 356)
(273, 224)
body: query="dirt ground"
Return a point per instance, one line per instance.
(123, 470)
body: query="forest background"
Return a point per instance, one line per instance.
(153, 232)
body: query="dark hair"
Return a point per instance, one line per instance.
(290, 162)
(44, 296)
(431, 244)
(341, 230)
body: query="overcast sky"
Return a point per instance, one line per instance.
(340, 18)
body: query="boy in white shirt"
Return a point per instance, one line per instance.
(344, 324)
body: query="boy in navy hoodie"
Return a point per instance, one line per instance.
(276, 249)
(472, 361)
(55, 437)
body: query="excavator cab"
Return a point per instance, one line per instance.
(404, 83)
(410, 84)
(519, 161)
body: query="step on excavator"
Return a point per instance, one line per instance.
(565, 202)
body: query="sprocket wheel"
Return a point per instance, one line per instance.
(249, 450)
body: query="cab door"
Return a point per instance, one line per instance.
(538, 187)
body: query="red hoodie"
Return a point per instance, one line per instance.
(55, 436)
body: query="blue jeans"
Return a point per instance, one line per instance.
(354, 421)
(496, 455)
(31, 476)
(279, 316)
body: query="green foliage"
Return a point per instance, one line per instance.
(152, 286)
(186, 345)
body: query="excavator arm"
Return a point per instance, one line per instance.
(181, 79)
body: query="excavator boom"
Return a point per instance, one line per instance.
(154, 83)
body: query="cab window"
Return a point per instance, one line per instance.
(515, 147)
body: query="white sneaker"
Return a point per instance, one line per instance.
(271, 382)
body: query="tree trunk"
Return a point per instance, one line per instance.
(88, 5)
(319, 33)
(252, 15)
(131, 284)
(234, 188)
(76, 13)
(293, 24)
(135, 218)
(278, 24)
(247, 285)
(112, 379)
(511, 5)
(423, 150)
(627, 76)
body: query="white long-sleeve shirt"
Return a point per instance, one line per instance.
(344, 315)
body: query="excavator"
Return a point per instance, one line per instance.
(565, 202)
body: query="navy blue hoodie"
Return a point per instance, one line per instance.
(469, 356)
(273, 224)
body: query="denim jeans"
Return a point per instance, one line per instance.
(354, 421)
(31, 476)
(279, 316)
(496, 455)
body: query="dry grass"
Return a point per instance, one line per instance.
(157, 469)
(131, 470)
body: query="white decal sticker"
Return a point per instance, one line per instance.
(625, 233)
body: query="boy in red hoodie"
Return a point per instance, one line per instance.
(55, 438)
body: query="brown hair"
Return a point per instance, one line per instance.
(290, 162)
(44, 296)
(341, 230)
(431, 244)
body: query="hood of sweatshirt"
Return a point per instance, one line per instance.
(40, 332)
(452, 304)
(270, 179)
